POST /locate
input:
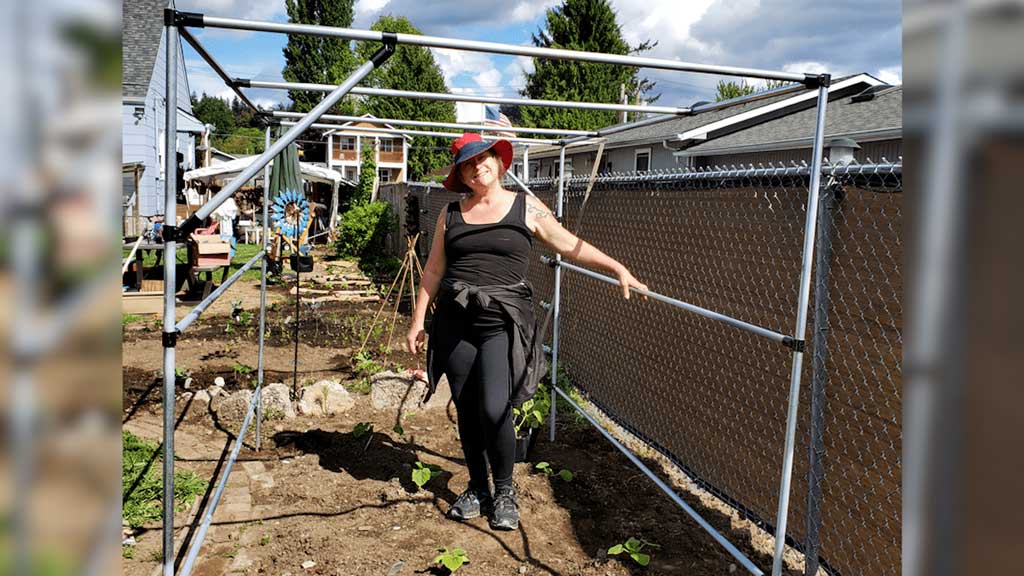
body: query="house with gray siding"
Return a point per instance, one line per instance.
(143, 104)
(756, 129)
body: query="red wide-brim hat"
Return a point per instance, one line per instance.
(469, 146)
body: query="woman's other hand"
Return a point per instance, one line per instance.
(414, 339)
(627, 281)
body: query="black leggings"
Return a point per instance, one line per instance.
(478, 373)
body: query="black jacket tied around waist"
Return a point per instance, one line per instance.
(527, 362)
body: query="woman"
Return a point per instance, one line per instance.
(483, 335)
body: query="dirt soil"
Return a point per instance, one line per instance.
(315, 493)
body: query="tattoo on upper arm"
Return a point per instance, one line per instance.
(537, 211)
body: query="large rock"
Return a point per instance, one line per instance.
(232, 406)
(277, 402)
(403, 391)
(325, 398)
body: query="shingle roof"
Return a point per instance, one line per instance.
(884, 112)
(142, 24)
(669, 128)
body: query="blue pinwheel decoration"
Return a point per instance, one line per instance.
(290, 215)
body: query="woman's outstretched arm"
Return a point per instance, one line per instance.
(544, 226)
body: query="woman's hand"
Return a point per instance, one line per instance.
(627, 281)
(415, 338)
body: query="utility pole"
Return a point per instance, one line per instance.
(622, 100)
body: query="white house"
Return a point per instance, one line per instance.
(143, 105)
(345, 151)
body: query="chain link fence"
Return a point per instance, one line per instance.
(713, 398)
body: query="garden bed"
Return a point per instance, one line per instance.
(317, 493)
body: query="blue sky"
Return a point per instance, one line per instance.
(792, 35)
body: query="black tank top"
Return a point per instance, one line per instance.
(488, 254)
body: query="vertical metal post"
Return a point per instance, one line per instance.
(819, 376)
(263, 294)
(801, 327)
(556, 301)
(170, 263)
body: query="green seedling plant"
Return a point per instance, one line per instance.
(242, 371)
(422, 474)
(634, 547)
(530, 414)
(549, 471)
(451, 559)
(398, 430)
(362, 429)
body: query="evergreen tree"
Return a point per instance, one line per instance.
(581, 25)
(729, 89)
(317, 59)
(410, 68)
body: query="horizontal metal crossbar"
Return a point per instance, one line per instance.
(364, 91)
(202, 306)
(769, 334)
(729, 547)
(491, 47)
(426, 124)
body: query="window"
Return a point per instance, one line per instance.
(568, 167)
(384, 174)
(347, 143)
(387, 145)
(534, 169)
(643, 160)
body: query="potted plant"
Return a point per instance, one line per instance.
(527, 419)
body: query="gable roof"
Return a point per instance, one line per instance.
(142, 25)
(741, 113)
(341, 128)
(877, 118)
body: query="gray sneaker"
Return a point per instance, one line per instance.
(469, 505)
(505, 515)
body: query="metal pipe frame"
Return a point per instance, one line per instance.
(172, 233)
(556, 302)
(426, 124)
(769, 334)
(170, 269)
(265, 240)
(364, 91)
(292, 134)
(729, 547)
(202, 20)
(217, 68)
(194, 314)
(619, 128)
(197, 542)
(175, 19)
(520, 183)
(324, 126)
(813, 198)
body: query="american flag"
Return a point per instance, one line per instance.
(494, 117)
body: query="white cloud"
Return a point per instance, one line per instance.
(455, 63)
(892, 75)
(811, 67)
(488, 79)
(528, 10)
(245, 9)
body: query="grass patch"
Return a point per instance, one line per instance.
(127, 319)
(141, 467)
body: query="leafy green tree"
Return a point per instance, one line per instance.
(581, 25)
(213, 110)
(410, 68)
(729, 89)
(317, 59)
(242, 140)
